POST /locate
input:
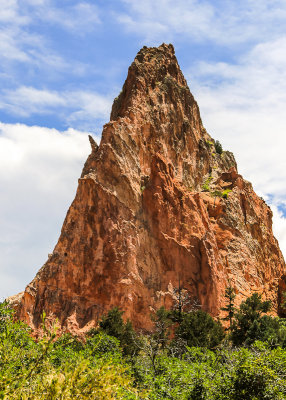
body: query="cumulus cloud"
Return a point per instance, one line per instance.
(39, 168)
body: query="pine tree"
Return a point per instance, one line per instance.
(113, 325)
(229, 308)
(250, 323)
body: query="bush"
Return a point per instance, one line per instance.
(250, 324)
(113, 325)
(59, 369)
(225, 193)
(206, 185)
(69, 369)
(218, 147)
(198, 329)
(99, 344)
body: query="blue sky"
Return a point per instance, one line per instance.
(62, 65)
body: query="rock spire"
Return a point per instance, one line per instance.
(157, 203)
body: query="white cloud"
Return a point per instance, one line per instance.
(26, 101)
(90, 106)
(76, 107)
(39, 168)
(166, 17)
(79, 18)
(9, 46)
(10, 13)
(20, 42)
(279, 228)
(224, 21)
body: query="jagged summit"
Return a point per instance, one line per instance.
(157, 202)
(153, 67)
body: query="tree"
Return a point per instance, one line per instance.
(229, 307)
(182, 299)
(183, 303)
(199, 329)
(249, 322)
(162, 323)
(113, 325)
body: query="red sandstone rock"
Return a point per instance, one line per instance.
(143, 219)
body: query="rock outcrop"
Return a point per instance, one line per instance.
(157, 203)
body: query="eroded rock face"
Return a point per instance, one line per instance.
(148, 213)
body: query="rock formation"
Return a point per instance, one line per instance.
(157, 203)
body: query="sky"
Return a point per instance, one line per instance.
(62, 63)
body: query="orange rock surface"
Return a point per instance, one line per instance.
(149, 213)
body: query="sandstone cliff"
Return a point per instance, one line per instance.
(156, 204)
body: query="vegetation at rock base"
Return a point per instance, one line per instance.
(187, 356)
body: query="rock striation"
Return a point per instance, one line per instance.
(158, 205)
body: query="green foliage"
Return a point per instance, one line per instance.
(65, 348)
(216, 193)
(113, 325)
(99, 368)
(199, 329)
(218, 147)
(206, 185)
(225, 193)
(99, 344)
(229, 307)
(59, 369)
(219, 193)
(250, 324)
(162, 322)
(226, 374)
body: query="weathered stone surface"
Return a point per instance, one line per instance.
(145, 214)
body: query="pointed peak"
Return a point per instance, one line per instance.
(146, 53)
(93, 144)
(152, 68)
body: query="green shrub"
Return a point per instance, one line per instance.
(59, 369)
(225, 193)
(218, 147)
(250, 324)
(209, 143)
(198, 329)
(113, 325)
(206, 185)
(216, 193)
(67, 368)
(99, 344)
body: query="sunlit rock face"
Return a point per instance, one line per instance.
(149, 213)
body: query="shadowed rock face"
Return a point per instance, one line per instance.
(145, 215)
